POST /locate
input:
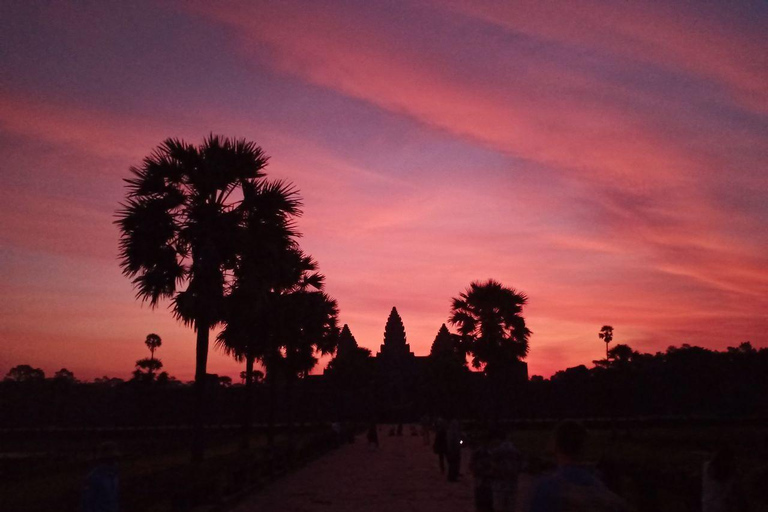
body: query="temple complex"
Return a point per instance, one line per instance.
(396, 381)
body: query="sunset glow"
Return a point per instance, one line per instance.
(608, 159)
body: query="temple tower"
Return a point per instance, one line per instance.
(347, 344)
(395, 347)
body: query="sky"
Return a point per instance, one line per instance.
(607, 159)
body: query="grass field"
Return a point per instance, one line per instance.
(45, 471)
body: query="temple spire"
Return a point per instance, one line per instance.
(347, 343)
(394, 337)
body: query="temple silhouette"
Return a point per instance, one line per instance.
(396, 384)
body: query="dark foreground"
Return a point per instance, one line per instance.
(401, 475)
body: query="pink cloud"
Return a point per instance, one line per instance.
(604, 209)
(719, 43)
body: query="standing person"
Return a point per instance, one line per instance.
(481, 466)
(453, 451)
(441, 443)
(373, 435)
(507, 463)
(573, 487)
(100, 493)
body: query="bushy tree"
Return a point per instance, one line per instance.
(25, 373)
(64, 375)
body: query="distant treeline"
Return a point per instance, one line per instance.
(683, 380)
(686, 380)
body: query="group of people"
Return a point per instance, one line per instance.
(496, 465)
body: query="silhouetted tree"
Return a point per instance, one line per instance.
(164, 379)
(146, 368)
(153, 342)
(64, 375)
(489, 317)
(621, 353)
(606, 334)
(277, 314)
(268, 263)
(180, 227)
(257, 376)
(108, 381)
(25, 373)
(306, 324)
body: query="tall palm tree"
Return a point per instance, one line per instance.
(180, 226)
(489, 318)
(277, 314)
(606, 334)
(303, 321)
(267, 263)
(153, 342)
(308, 319)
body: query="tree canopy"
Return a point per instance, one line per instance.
(489, 318)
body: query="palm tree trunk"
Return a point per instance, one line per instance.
(248, 402)
(198, 440)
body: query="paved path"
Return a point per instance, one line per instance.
(402, 475)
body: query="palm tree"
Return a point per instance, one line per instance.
(267, 264)
(180, 226)
(153, 342)
(606, 334)
(489, 318)
(303, 321)
(308, 325)
(277, 314)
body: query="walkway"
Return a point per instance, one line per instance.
(402, 475)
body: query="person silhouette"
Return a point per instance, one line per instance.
(481, 467)
(453, 450)
(440, 446)
(573, 487)
(100, 493)
(506, 463)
